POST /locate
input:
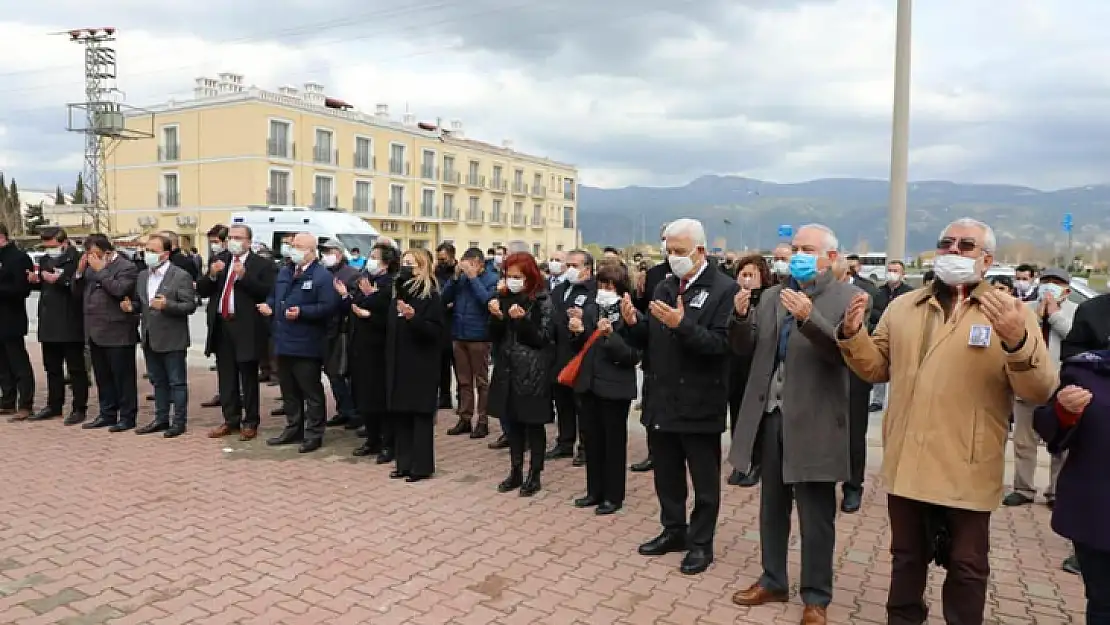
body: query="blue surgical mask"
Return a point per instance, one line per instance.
(803, 267)
(1055, 290)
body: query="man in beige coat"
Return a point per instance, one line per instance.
(956, 353)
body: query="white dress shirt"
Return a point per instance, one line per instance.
(241, 259)
(154, 280)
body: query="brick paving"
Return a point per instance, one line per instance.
(118, 528)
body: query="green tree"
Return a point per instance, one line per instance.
(59, 197)
(79, 190)
(33, 218)
(13, 216)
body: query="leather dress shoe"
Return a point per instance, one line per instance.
(366, 449)
(853, 500)
(502, 442)
(696, 560)
(150, 396)
(221, 431)
(645, 465)
(352, 424)
(310, 445)
(44, 414)
(285, 439)
(75, 417)
(531, 485)
(397, 475)
(248, 433)
(814, 615)
(606, 508)
(99, 422)
(385, 457)
(175, 430)
(152, 427)
(579, 458)
(278, 412)
(337, 421)
(587, 502)
(670, 541)
(211, 403)
(559, 451)
(756, 594)
(751, 478)
(121, 427)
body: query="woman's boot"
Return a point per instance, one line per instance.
(514, 481)
(531, 486)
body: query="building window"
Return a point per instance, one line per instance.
(568, 216)
(428, 165)
(449, 174)
(428, 203)
(497, 181)
(280, 143)
(518, 213)
(418, 244)
(536, 249)
(568, 188)
(171, 193)
(496, 211)
(323, 192)
(397, 164)
(449, 206)
(473, 175)
(473, 210)
(518, 181)
(397, 204)
(280, 191)
(537, 214)
(324, 150)
(477, 244)
(537, 184)
(364, 153)
(364, 194)
(171, 149)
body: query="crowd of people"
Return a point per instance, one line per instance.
(788, 355)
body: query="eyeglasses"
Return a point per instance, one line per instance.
(964, 244)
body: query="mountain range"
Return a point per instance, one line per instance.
(856, 209)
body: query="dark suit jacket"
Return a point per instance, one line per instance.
(1090, 328)
(166, 330)
(105, 323)
(250, 290)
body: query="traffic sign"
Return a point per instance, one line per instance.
(786, 230)
(1067, 222)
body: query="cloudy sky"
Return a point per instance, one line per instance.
(650, 92)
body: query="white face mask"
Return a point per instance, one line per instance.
(53, 252)
(236, 247)
(555, 267)
(607, 299)
(373, 266)
(330, 260)
(152, 259)
(515, 285)
(1023, 286)
(956, 270)
(216, 248)
(572, 275)
(893, 277)
(497, 260)
(681, 266)
(1054, 290)
(297, 256)
(781, 267)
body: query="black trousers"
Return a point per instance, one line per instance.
(302, 395)
(56, 359)
(446, 371)
(674, 454)
(964, 594)
(415, 446)
(116, 382)
(859, 403)
(604, 424)
(566, 413)
(530, 436)
(17, 379)
(237, 380)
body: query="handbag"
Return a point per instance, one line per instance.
(569, 375)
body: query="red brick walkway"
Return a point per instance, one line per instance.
(118, 528)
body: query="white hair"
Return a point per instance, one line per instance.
(989, 241)
(689, 227)
(832, 244)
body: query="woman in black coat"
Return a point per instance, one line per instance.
(523, 356)
(755, 276)
(369, 317)
(606, 386)
(414, 339)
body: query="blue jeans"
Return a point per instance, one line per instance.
(1094, 566)
(169, 375)
(344, 399)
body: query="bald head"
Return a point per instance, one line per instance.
(305, 243)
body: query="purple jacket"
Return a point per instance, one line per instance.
(1082, 510)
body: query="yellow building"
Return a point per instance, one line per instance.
(233, 147)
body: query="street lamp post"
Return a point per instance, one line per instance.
(900, 136)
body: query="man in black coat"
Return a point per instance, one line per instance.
(652, 279)
(686, 352)
(178, 257)
(235, 288)
(17, 379)
(217, 251)
(332, 256)
(570, 296)
(61, 328)
(445, 272)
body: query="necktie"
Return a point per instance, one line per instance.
(229, 284)
(682, 286)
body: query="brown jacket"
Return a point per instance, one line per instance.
(945, 429)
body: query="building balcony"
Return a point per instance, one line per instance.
(519, 188)
(169, 199)
(539, 191)
(538, 223)
(281, 197)
(497, 219)
(400, 209)
(451, 215)
(475, 217)
(499, 186)
(568, 224)
(322, 201)
(476, 182)
(451, 177)
(400, 168)
(365, 161)
(568, 195)
(281, 148)
(169, 152)
(325, 156)
(429, 172)
(429, 211)
(363, 204)
(520, 221)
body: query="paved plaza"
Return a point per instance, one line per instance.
(119, 528)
